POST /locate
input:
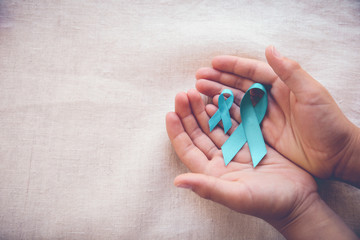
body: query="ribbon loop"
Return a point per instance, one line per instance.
(223, 112)
(249, 130)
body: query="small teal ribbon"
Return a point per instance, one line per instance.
(249, 130)
(223, 112)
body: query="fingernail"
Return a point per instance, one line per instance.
(276, 53)
(186, 186)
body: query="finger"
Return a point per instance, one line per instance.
(198, 108)
(291, 73)
(184, 147)
(211, 89)
(202, 118)
(252, 69)
(192, 128)
(227, 79)
(232, 194)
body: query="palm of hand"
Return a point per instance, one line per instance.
(317, 130)
(270, 191)
(293, 126)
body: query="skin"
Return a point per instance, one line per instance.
(303, 121)
(276, 190)
(276, 179)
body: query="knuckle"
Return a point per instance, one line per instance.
(293, 65)
(239, 83)
(289, 68)
(251, 72)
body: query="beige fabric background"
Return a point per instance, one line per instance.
(84, 89)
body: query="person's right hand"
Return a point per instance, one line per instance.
(303, 121)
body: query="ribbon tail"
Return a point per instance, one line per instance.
(254, 135)
(258, 154)
(213, 121)
(226, 119)
(233, 145)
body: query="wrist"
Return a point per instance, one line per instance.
(313, 219)
(348, 168)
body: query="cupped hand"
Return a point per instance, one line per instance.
(303, 121)
(276, 190)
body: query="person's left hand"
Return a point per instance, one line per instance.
(275, 190)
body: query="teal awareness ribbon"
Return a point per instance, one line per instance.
(249, 130)
(223, 112)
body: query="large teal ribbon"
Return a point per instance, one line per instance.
(223, 112)
(249, 130)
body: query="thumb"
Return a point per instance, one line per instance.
(291, 73)
(227, 193)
